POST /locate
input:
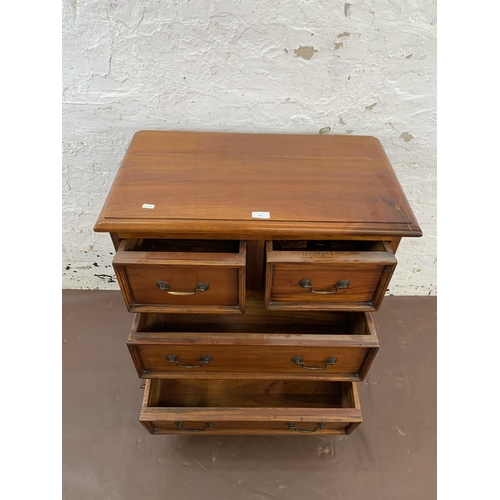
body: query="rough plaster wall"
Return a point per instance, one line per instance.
(320, 66)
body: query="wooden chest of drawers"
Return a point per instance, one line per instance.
(253, 263)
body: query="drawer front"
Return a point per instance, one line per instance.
(195, 282)
(338, 346)
(189, 425)
(250, 407)
(328, 280)
(172, 360)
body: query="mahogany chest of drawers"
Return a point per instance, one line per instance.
(252, 264)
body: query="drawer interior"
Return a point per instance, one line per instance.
(258, 319)
(228, 393)
(329, 245)
(195, 246)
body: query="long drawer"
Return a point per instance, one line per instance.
(292, 344)
(228, 406)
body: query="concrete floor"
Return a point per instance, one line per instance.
(107, 453)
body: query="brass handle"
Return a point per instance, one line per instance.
(182, 426)
(164, 286)
(299, 360)
(319, 427)
(204, 359)
(340, 285)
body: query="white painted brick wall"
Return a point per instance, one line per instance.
(364, 68)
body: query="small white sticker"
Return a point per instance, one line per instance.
(261, 215)
(147, 205)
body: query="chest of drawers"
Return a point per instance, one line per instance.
(252, 264)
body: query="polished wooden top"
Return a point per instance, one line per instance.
(211, 185)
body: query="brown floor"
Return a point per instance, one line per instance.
(107, 453)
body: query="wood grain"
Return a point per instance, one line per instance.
(214, 181)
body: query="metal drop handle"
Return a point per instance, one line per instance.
(319, 427)
(164, 286)
(182, 426)
(299, 360)
(204, 359)
(340, 285)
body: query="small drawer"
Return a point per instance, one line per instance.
(331, 275)
(227, 406)
(195, 276)
(261, 343)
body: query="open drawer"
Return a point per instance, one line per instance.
(193, 276)
(226, 406)
(332, 275)
(266, 344)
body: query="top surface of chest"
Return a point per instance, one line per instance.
(178, 181)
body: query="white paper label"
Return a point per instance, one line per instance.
(147, 205)
(261, 215)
